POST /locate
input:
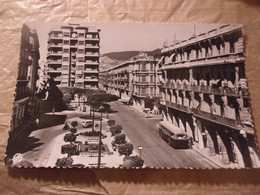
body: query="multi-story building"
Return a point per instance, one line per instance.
(73, 56)
(204, 92)
(135, 79)
(26, 105)
(145, 80)
(118, 80)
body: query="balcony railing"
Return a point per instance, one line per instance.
(89, 62)
(178, 107)
(92, 54)
(206, 89)
(213, 117)
(145, 94)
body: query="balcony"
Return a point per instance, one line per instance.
(92, 38)
(54, 53)
(178, 107)
(206, 89)
(90, 70)
(52, 70)
(207, 61)
(92, 46)
(90, 54)
(57, 79)
(215, 118)
(54, 61)
(55, 45)
(92, 79)
(56, 37)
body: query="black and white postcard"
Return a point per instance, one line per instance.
(132, 95)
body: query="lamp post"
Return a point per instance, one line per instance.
(101, 108)
(140, 148)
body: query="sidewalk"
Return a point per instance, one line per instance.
(110, 159)
(213, 159)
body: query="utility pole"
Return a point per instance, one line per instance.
(99, 145)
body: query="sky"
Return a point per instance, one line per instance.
(115, 37)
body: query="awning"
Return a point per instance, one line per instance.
(172, 128)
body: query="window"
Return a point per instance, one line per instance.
(65, 50)
(152, 79)
(80, 68)
(81, 51)
(66, 34)
(65, 59)
(81, 59)
(65, 67)
(232, 47)
(143, 67)
(151, 90)
(151, 66)
(81, 42)
(81, 35)
(143, 78)
(66, 42)
(143, 90)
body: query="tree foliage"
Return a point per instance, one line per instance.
(116, 129)
(120, 139)
(70, 137)
(125, 149)
(111, 122)
(74, 123)
(98, 99)
(137, 160)
(64, 162)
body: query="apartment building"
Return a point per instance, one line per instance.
(145, 81)
(25, 104)
(136, 79)
(118, 80)
(73, 56)
(204, 92)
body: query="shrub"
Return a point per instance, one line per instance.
(70, 137)
(69, 149)
(125, 149)
(111, 122)
(64, 162)
(73, 130)
(116, 129)
(93, 146)
(138, 161)
(92, 133)
(74, 123)
(120, 139)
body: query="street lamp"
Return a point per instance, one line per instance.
(140, 148)
(101, 108)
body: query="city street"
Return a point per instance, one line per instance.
(139, 130)
(156, 152)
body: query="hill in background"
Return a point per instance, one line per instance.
(109, 60)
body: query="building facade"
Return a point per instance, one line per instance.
(136, 79)
(204, 92)
(25, 104)
(73, 56)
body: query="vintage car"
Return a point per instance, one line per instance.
(175, 136)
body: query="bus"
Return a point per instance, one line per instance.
(173, 135)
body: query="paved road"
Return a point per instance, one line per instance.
(156, 152)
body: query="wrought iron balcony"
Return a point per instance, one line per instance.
(179, 107)
(214, 117)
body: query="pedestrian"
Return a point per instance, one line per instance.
(53, 110)
(37, 121)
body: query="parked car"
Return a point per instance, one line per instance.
(86, 123)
